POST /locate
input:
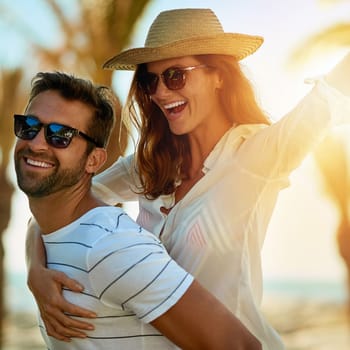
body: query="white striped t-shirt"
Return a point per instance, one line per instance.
(128, 276)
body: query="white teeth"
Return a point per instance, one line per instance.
(38, 164)
(174, 104)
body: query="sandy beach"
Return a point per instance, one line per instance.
(310, 325)
(303, 325)
(21, 332)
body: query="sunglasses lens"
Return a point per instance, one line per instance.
(174, 78)
(58, 135)
(148, 82)
(26, 127)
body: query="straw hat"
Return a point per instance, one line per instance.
(185, 32)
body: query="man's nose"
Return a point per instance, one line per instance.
(39, 141)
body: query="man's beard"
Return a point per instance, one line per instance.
(38, 186)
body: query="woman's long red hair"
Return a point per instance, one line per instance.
(162, 157)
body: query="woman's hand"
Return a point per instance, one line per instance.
(46, 286)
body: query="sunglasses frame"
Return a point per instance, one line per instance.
(145, 82)
(74, 132)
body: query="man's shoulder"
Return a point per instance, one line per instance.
(108, 218)
(114, 236)
(110, 222)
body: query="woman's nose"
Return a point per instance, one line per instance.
(161, 88)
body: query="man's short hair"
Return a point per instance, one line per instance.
(99, 97)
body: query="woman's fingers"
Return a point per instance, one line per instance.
(66, 282)
(62, 326)
(56, 312)
(62, 310)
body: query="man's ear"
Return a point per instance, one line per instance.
(95, 160)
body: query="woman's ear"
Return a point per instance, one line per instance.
(95, 160)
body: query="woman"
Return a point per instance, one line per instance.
(208, 166)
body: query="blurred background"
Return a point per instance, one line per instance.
(306, 256)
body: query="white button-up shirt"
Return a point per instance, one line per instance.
(217, 230)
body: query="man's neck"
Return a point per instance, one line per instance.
(60, 209)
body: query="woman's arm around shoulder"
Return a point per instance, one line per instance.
(46, 286)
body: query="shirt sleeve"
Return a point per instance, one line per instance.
(138, 275)
(118, 183)
(339, 103)
(275, 151)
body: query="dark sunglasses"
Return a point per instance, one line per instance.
(174, 78)
(56, 135)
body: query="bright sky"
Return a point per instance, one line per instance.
(300, 242)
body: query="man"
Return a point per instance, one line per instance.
(136, 290)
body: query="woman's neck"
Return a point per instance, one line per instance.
(201, 145)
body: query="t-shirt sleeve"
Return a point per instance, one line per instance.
(137, 274)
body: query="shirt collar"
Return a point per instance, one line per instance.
(229, 143)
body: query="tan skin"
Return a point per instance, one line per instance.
(52, 303)
(49, 107)
(198, 320)
(204, 123)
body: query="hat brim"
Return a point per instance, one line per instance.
(233, 44)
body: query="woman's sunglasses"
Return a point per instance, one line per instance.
(56, 135)
(174, 78)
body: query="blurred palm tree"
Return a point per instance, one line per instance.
(330, 39)
(10, 98)
(331, 156)
(100, 29)
(332, 160)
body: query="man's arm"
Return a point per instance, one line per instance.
(199, 321)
